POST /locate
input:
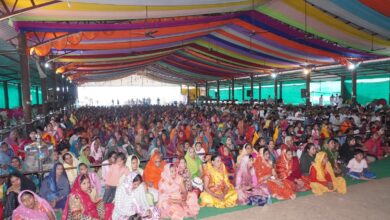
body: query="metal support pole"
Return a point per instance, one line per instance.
(354, 86)
(308, 89)
(25, 77)
(281, 90)
(218, 94)
(6, 96)
(243, 93)
(276, 90)
(233, 101)
(342, 87)
(259, 91)
(251, 96)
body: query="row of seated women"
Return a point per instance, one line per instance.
(168, 190)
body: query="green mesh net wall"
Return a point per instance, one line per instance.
(34, 97)
(13, 94)
(2, 97)
(368, 89)
(40, 95)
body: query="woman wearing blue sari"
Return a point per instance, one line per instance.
(55, 187)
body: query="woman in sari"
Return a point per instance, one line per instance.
(83, 202)
(175, 201)
(55, 187)
(93, 177)
(322, 177)
(219, 192)
(131, 200)
(85, 155)
(70, 165)
(16, 183)
(97, 151)
(153, 170)
(265, 173)
(194, 163)
(246, 151)
(32, 207)
(20, 166)
(228, 161)
(287, 168)
(250, 192)
(133, 163)
(185, 174)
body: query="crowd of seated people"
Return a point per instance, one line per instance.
(152, 162)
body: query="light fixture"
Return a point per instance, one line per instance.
(273, 75)
(63, 76)
(351, 66)
(58, 89)
(306, 71)
(47, 65)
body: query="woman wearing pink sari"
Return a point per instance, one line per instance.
(250, 192)
(32, 207)
(175, 202)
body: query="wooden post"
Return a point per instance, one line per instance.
(25, 77)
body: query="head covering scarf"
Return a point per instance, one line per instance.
(22, 212)
(53, 192)
(320, 169)
(152, 173)
(245, 174)
(128, 164)
(226, 159)
(71, 173)
(93, 177)
(89, 207)
(84, 158)
(193, 165)
(283, 166)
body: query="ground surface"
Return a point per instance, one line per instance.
(369, 200)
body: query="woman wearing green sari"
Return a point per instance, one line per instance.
(194, 163)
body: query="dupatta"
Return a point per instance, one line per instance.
(152, 173)
(193, 165)
(23, 212)
(88, 208)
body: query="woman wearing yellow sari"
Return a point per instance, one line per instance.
(322, 178)
(219, 192)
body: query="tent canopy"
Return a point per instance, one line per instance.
(180, 41)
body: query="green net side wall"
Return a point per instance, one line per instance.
(13, 95)
(368, 89)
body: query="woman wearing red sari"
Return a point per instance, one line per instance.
(228, 161)
(83, 202)
(265, 173)
(288, 169)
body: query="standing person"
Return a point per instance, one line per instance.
(332, 100)
(175, 202)
(32, 207)
(321, 100)
(116, 171)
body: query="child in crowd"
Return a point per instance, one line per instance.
(358, 168)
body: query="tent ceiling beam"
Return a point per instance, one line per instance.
(9, 12)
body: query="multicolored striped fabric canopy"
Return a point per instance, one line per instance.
(181, 41)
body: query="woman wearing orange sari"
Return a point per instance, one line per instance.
(280, 189)
(287, 168)
(153, 170)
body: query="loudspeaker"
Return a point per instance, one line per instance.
(248, 93)
(303, 93)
